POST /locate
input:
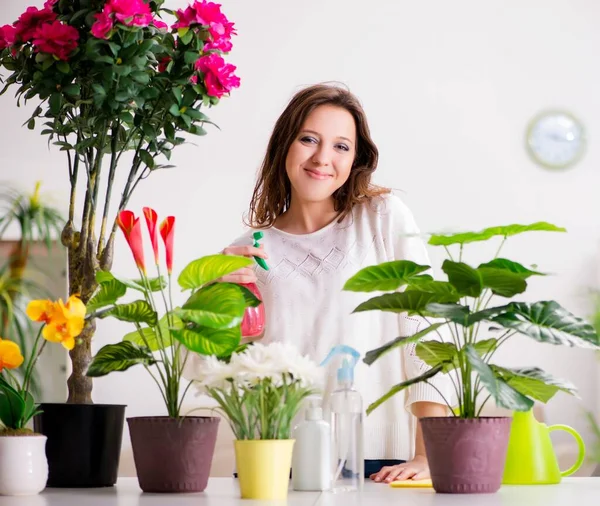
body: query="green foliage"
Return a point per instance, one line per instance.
(461, 306)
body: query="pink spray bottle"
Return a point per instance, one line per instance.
(253, 324)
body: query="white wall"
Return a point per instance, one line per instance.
(449, 88)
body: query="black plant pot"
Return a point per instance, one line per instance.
(84, 443)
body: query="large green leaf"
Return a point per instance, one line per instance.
(206, 341)
(373, 355)
(12, 406)
(466, 280)
(210, 268)
(155, 284)
(548, 322)
(138, 311)
(438, 354)
(486, 345)
(534, 382)
(218, 306)
(488, 233)
(486, 314)
(151, 338)
(412, 302)
(401, 386)
(509, 265)
(119, 357)
(439, 287)
(452, 312)
(502, 282)
(251, 299)
(504, 395)
(387, 276)
(108, 294)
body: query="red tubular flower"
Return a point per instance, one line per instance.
(131, 227)
(151, 218)
(167, 231)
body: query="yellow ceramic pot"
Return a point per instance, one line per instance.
(263, 468)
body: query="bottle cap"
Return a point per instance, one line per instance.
(314, 412)
(260, 261)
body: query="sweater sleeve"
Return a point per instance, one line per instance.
(408, 245)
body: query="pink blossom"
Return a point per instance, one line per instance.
(48, 4)
(130, 12)
(194, 79)
(161, 25)
(57, 38)
(223, 45)
(30, 20)
(7, 36)
(103, 25)
(208, 14)
(218, 75)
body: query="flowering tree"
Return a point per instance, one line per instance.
(111, 77)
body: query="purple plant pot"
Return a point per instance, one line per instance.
(173, 455)
(466, 456)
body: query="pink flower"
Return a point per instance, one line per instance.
(7, 36)
(130, 12)
(48, 4)
(30, 20)
(57, 38)
(223, 45)
(194, 79)
(208, 14)
(163, 63)
(103, 25)
(161, 25)
(218, 75)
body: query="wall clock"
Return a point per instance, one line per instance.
(556, 139)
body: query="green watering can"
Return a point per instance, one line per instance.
(530, 459)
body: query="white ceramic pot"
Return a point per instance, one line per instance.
(23, 465)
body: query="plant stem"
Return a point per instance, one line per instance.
(109, 185)
(31, 361)
(500, 247)
(448, 253)
(441, 395)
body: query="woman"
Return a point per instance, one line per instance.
(323, 221)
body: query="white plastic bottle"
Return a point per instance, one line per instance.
(346, 405)
(311, 470)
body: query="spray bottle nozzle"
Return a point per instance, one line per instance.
(345, 374)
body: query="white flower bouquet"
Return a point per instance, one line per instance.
(261, 389)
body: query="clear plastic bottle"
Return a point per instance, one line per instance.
(346, 407)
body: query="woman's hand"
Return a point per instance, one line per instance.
(246, 274)
(415, 469)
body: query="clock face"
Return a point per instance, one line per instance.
(556, 139)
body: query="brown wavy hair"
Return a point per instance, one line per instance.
(272, 193)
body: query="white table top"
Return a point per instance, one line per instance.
(225, 492)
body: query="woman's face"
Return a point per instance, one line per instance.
(320, 158)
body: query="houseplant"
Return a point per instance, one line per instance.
(259, 390)
(172, 453)
(36, 220)
(110, 77)
(23, 464)
(466, 452)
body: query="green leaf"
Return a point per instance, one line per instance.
(218, 306)
(150, 337)
(452, 312)
(504, 395)
(197, 115)
(218, 342)
(486, 314)
(534, 382)
(108, 294)
(72, 90)
(156, 284)
(178, 94)
(502, 282)
(118, 357)
(174, 110)
(439, 287)
(138, 311)
(488, 233)
(384, 277)
(438, 354)
(210, 268)
(55, 103)
(31, 124)
(413, 302)
(486, 345)
(63, 67)
(509, 265)
(548, 322)
(187, 37)
(30, 408)
(250, 299)
(146, 157)
(401, 386)
(190, 57)
(12, 406)
(140, 77)
(464, 278)
(377, 353)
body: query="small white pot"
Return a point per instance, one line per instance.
(23, 465)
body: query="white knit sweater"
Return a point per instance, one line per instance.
(305, 306)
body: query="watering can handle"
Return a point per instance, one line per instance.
(580, 446)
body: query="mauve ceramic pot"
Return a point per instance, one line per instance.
(466, 456)
(173, 455)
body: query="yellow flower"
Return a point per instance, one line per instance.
(10, 355)
(41, 310)
(66, 323)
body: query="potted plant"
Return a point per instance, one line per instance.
(466, 452)
(110, 77)
(172, 453)
(23, 463)
(260, 390)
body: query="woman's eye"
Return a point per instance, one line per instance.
(343, 147)
(309, 140)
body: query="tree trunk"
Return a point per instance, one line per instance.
(79, 385)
